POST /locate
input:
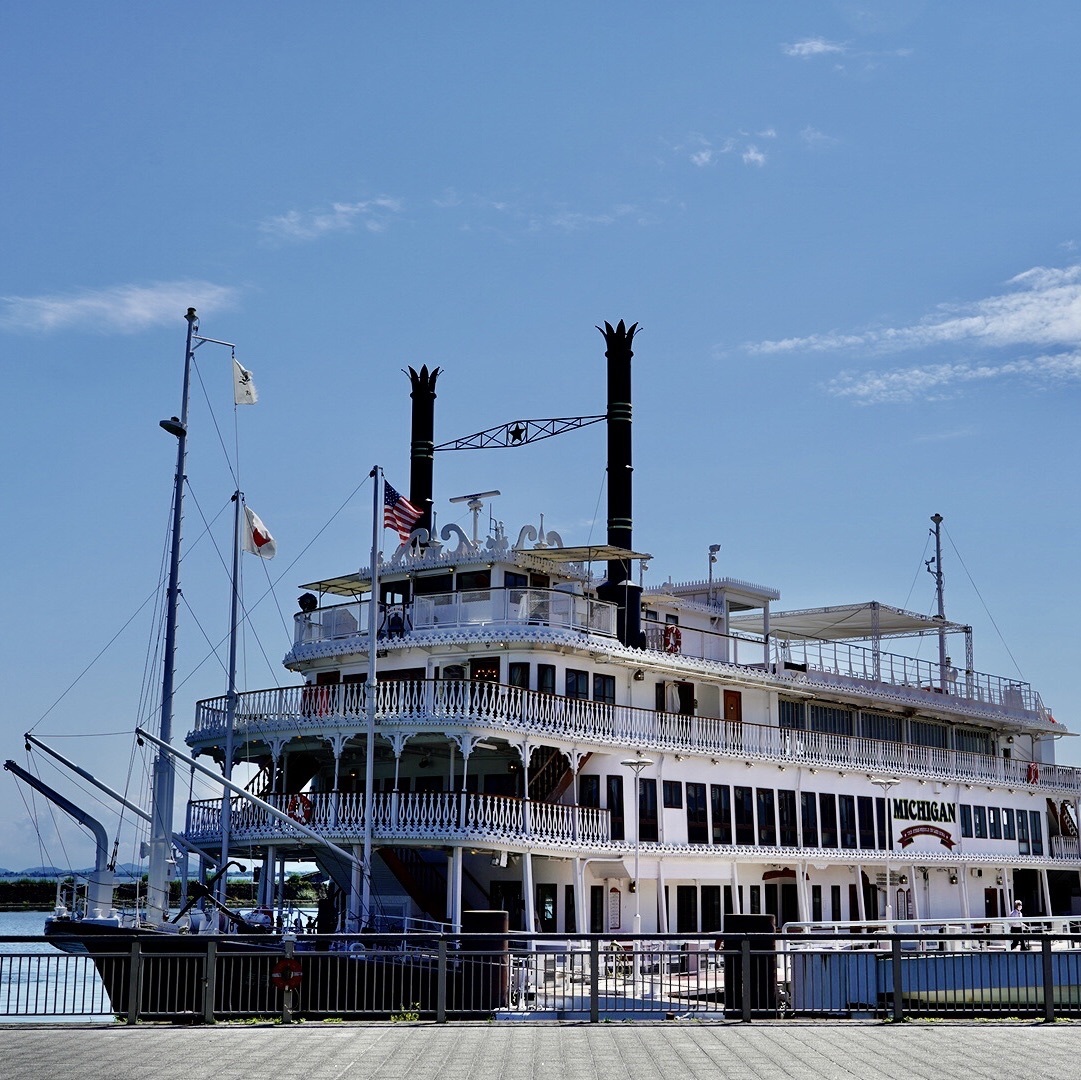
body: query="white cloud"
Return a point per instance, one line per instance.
(812, 47)
(1043, 310)
(935, 382)
(817, 140)
(374, 215)
(118, 309)
(753, 156)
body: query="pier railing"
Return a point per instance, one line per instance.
(441, 977)
(448, 705)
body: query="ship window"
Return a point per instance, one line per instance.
(744, 816)
(924, 733)
(697, 820)
(833, 720)
(615, 806)
(972, 741)
(791, 714)
(994, 822)
(1037, 832)
(673, 795)
(518, 674)
(474, 579)
(433, 584)
(755, 904)
(767, 822)
(846, 813)
(484, 669)
(589, 791)
(647, 808)
(816, 903)
(577, 684)
(979, 815)
(570, 922)
(881, 726)
(786, 816)
(721, 798)
(809, 810)
(1022, 832)
(835, 903)
(604, 689)
(966, 820)
(885, 840)
(546, 678)
(866, 809)
(1008, 832)
(828, 805)
(511, 580)
(539, 581)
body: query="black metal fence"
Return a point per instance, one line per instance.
(187, 978)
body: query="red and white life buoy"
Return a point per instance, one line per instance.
(1033, 776)
(673, 638)
(299, 808)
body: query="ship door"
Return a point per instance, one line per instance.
(507, 896)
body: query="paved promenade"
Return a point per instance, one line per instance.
(521, 1051)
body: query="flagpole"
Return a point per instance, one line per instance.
(231, 694)
(369, 760)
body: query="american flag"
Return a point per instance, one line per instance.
(399, 513)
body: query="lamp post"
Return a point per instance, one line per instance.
(637, 764)
(713, 549)
(886, 785)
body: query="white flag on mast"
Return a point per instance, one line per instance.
(257, 539)
(244, 392)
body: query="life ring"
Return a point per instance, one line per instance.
(299, 808)
(287, 974)
(673, 638)
(1033, 776)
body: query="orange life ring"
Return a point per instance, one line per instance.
(299, 808)
(1033, 776)
(673, 638)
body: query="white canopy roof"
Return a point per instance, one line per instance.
(854, 622)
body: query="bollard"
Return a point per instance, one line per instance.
(1048, 980)
(895, 956)
(134, 980)
(441, 984)
(210, 978)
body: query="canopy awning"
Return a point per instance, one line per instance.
(584, 553)
(346, 585)
(854, 622)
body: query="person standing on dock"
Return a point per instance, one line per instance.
(1017, 928)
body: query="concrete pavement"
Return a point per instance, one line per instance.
(516, 1051)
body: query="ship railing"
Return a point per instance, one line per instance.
(849, 661)
(453, 703)
(409, 815)
(469, 607)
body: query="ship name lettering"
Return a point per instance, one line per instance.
(924, 810)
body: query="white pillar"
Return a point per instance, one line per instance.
(454, 901)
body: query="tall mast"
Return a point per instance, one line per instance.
(369, 756)
(940, 612)
(161, 827)
(231, 694)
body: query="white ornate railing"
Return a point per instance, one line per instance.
(451, 705)
(403, 816)
(472, 607)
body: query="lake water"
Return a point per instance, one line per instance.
(38, 981)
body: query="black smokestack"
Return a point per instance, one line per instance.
(422, 442)
(619, 588)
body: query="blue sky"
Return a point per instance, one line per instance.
(849, 232)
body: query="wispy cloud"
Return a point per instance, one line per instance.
(702, 151)
(753, 156)
(1043, 309)
(117, 309)
(815, 46)
(817, 140)
(936, 382)
(566, 220)
(375, 215)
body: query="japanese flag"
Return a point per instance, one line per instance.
(257, 538)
